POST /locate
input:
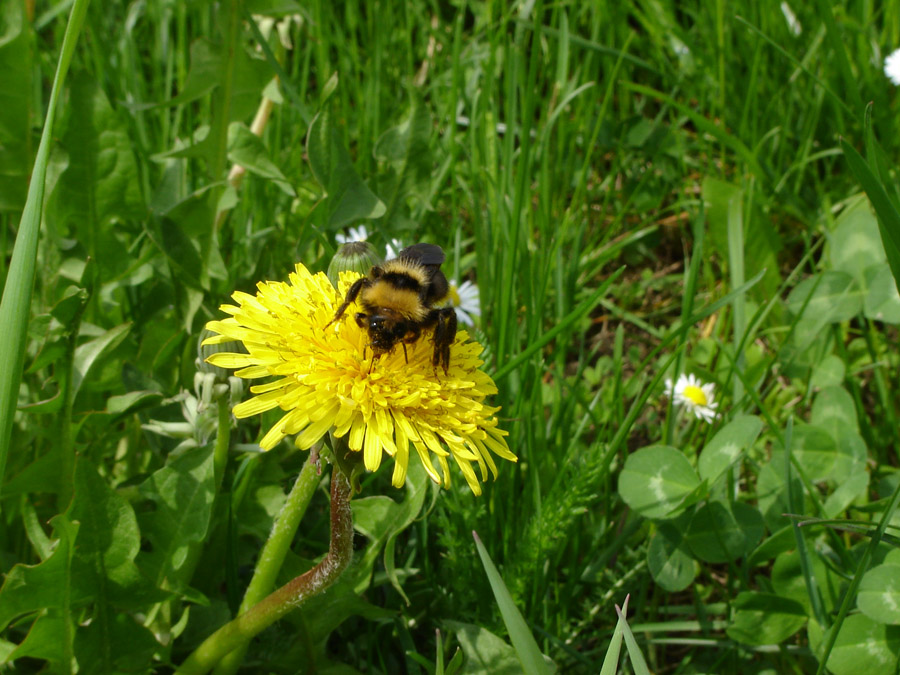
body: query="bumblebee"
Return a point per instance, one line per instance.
(397, 300)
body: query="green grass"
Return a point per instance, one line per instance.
(639, 189)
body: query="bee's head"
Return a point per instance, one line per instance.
(384, 329)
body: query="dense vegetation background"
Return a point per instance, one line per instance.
(690, 153)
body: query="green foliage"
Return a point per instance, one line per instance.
(348, 198)
(639, 190)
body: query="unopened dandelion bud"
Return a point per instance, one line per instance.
(355, 256)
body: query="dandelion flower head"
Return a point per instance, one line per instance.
(324, 379)
(690, 393)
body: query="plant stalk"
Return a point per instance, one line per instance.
(288, 597)
(272, 556)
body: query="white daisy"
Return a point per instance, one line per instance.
(466, 301)
(791, 19)
(892, 66)
(688, 392)
(393, 247)
(353, 234)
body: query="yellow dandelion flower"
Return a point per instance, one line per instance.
(325, 380)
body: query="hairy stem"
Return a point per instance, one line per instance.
(272, 556)
(288, 597)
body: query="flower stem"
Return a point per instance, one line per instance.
(272, 556)
(223, 440)
(290, 596)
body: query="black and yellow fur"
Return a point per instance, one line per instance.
(397, 300)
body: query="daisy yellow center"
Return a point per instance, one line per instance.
(454, 295)
(695, 395)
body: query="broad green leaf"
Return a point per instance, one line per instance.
(208, 71)
(862, 646)
(204, 75)
(234, 81)
(87, 354)
(879, 594)
(382, 519)
(725, 205)
(775, 544)
(70, 305)
(669, 559)
(47, 640)
(720, 532)
(405, 149)
(183, 493)
(346, 196)
(833, 409)
(132, 402)
(38, 476)
(108, 542)
(727, 446)
(248, 150)
(120, 645)
(810, 343)
(170, 235)
(852, 454)
(655, 481)
(16, 89)
(815, 449)
(322, 614)
(834, 296)
(788, 580)
(35, 588)
(109, 534)
(882, 301)
(764, 618)
(100, 183)
(888, 216)
(828, 372)
(855, 243)
(847, 491)
(486, 654)
(6, 648)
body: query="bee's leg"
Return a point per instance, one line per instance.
(444, 321)
(357, 286)
(411, 336)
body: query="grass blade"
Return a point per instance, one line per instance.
(611, 660)
(638, 663)
(523, 641)
(888, 216)
(16, 303)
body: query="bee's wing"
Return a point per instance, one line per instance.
(424, 254)
(429, 256)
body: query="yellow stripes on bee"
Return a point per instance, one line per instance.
(404, 302)
(407, 267)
